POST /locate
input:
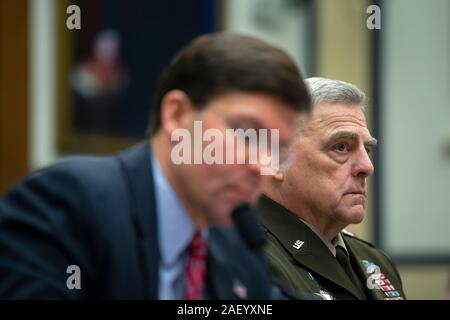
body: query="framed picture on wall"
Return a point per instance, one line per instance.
(109, 68)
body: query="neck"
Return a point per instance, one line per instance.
(329, 229)
(161, 150)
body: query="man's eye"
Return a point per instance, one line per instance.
(237, 124)
(341, 147)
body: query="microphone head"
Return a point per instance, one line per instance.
(248, 226)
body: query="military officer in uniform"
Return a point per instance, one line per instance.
(319, 191)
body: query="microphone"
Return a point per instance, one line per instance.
(249, 227)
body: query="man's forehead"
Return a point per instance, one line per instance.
(339, 121)
(338, 115)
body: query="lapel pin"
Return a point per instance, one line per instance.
(239, 289)
(298, 244)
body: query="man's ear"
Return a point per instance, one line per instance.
(176, 111)
(279, 175)
(282, 169)
(272, 186)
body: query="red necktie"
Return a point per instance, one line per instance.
(195, 268)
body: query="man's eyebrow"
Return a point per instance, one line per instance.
(371, 143)
(343, 135)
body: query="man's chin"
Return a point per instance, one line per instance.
(356, 215)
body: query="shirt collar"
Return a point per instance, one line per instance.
(337, 241)
(175, 226)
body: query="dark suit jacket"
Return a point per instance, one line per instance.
(301, 262)
(99, 213)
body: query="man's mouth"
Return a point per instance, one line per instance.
(357, 192)
(244, 195)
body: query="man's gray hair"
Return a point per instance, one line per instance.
(323, 90)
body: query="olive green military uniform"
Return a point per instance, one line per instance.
(303, 263)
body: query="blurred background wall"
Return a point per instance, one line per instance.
(404, 68)
(14, 83)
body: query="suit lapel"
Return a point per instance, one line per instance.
(306, 247)
(221, 274)
(218, 287)
(136, 166)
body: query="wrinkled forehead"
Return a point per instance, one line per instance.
(325, 115)
(330, 118)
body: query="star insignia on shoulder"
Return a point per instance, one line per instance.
(347, 233)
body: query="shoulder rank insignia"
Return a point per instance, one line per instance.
(324, 295)
(348, 232)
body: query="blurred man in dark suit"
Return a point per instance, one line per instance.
(140, 225)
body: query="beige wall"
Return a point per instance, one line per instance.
(426, 282)
(343, 52)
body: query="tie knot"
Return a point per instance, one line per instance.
(198, 245)
(341, 255)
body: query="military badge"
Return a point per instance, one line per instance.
(325, 295)
(379, 281)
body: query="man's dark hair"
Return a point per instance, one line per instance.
(216, 64)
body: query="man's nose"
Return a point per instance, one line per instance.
(363, 166)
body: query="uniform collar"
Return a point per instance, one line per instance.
(331, 245)
(303, 244)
